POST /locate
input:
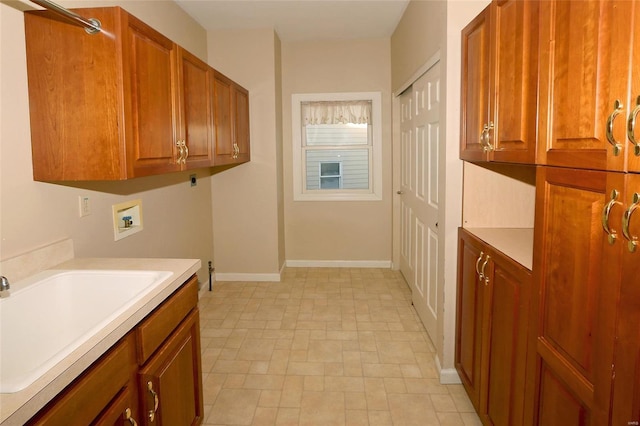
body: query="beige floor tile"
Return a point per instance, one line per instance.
(234, 407)
(324, 408)
(265, 416)
(288, 417)
(380, 418)
(270, 398)
(412, 409)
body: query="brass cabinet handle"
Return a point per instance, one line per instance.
(631, 125)
(626, 220)
(611, 234)
(180, 152)
(156, 401)
(484, 265)
(186, 152)
(483, 138)
(486, 137)
(478, 266)
(617, 108)
(127, 416)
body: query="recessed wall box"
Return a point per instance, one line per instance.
(127, 219)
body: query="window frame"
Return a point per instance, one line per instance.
(374, 192)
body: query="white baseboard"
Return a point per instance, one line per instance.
(448, 376)
(239, 276)
(231, 276)
(386, 264)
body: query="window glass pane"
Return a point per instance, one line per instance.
(336, 134)
(329, 169)
(353, 167)
(330, 183)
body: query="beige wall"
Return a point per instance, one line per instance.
(427, 30)
(418, 36)
(337, 231)
(247, 207)
(177, 217)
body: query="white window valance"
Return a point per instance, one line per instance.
(336, 112)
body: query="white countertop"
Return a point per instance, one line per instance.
(517, 243)
(17, 408)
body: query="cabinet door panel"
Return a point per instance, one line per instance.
(469, 317)
(515, 72)
(576, 312)
(174, 375)
(196, 113)
(558, 405)
(580, 68)
(509, 318)
(475, 86)
(633, 156)
(151, 145)
(626, 390)
(223, 119)
(242, 124)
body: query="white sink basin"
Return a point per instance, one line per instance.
(44, 322)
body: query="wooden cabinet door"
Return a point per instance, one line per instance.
(633, 153)
(149, 84)
(476, 42)
(584, 68)
(469, 314)
(504, 365)
(241, 127)
(514, 71)
(196, 110)
(171, 382)
(626, 389)
(223, 116)
(576, 307)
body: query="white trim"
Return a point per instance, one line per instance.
(375, 192)
(448, 376)
(423, 69)
(385, 264)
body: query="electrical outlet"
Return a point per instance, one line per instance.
(84, 205)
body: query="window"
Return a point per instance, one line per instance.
(337, 146)
(330, 175)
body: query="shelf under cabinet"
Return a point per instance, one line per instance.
(517, 243)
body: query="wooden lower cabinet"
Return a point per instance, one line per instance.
(492, 328)
(587, 318)
(171, 383)
(115, 390)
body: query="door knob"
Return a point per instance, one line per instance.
(399, 192)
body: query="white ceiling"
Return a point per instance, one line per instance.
(300, 20)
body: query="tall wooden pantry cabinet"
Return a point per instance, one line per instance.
(582, 355)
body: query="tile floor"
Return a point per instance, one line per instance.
(323, 347)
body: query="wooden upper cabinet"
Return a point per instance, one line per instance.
(231, 112)
(122, 103)
(499, 83)
(475, 86)
(196, 110)
(223, 113)
(150, 90)
(587, 100)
